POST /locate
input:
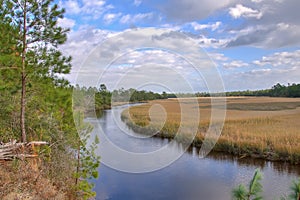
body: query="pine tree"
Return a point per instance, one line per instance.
(36, 43)
(295, 195)
(254, 189)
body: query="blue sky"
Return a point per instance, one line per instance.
(254, 43)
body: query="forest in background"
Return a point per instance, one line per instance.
(36, 105)
(278, 90)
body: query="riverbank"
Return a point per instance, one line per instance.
(261, 127)
(27, 180)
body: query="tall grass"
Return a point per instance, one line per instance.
(272, 133)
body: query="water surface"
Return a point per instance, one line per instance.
(188, 178)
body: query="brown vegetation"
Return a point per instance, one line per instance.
(21, 180)
(27, 172)
(254, 126)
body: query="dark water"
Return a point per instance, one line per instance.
(188, 178)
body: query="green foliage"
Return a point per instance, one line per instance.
(97, 99)
(277, 90)
(253, 191)
(102, 98)
(88, 161)
(30, 60)
(29, 44)
(133, 95)
(240, 193)
(295, 195)
(255, 188)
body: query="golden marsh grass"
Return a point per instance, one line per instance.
(256, 126)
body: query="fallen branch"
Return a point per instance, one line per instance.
(12, 150)
(38, 143)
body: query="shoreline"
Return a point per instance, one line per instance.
(227, 148)
(260, 147)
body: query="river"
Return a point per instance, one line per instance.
(189, 177)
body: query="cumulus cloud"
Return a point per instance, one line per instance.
(281, 59)
(206, 42)
(242, 11)
(127, 60)
(218, 57)
(256, 1)
(264, 24)
(71, 6)
(267, 36)
(270, 23)
(213, 26)
(280, 67)
(132, 19)
(86, 8)
(79, 45)
(137, 2)
(66, 22)
(278, 24)
(190, 10)
(260, 78)
(235, 64)
(110, 17)
(148, 67)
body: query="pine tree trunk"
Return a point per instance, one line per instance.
(23, 95)
(78, 154)
(78, 165)
(23, 104)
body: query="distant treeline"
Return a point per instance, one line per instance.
(278, 90)
(104, 97)
(133, 95)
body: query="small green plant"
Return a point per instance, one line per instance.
(295, 195)
(87, 159)
(254, 190)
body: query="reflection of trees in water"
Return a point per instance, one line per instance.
(285, 167)
(281, 167)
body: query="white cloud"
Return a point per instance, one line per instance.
(190, 10)
(218, 57)
(256, 1)
(266, 36)
(206, 42)
(280, 67)
(66, 22)
(93, 3)
(281, 59)
(132, 19)
(137, 2)
(80, 43)
(95, 8)
(110, 17)
(260, 78)
(266, 23)
(171, 27)
(86, 8)
(278, 25)
(242, 11)
(71, 6)
(212, 26)
(235, 64)
(283, 26)
(160, 65)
